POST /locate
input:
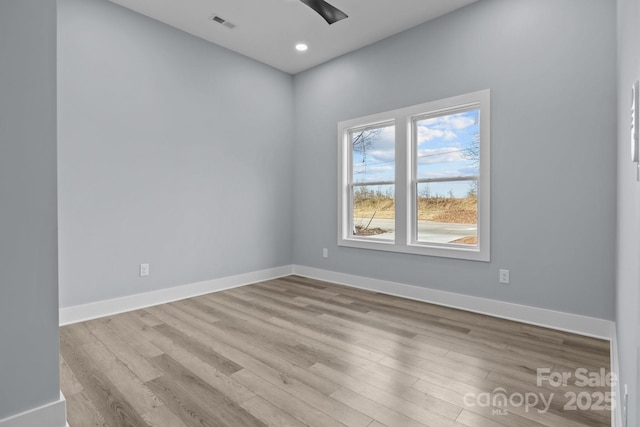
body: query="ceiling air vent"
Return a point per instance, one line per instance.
(222, 21)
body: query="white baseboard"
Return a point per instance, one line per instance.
(83, 312)
(52, 414)
(616, 414)
(583, 325)
(575, 323)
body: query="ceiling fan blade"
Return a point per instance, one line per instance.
(330, 13)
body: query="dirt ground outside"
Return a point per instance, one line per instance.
(437, 209)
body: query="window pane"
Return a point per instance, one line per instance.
(373, 154)
(374, 211)
(448, 146)
(447, 168)
(448, 212)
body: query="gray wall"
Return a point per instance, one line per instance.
(628, 243)
(550, 66)
(172, 151)
(28, 248)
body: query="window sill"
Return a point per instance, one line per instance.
(462, 252)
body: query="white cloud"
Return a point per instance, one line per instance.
(447, 123)
(381, 156)
(428, 133)
(388, 132)
(441, 174)
(459, 121)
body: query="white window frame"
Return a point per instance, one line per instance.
(406, 182)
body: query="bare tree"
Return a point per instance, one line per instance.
(473, 152)
(473, 189)
(364, 140)
(425, 192)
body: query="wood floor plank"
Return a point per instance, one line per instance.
(555, 353)
(275, 296)
(377, 411)
(323, 402)
(69, 384)
(436, 363)
(372, 373)
(298, 352)
(387, 393)
(180, 400)
(306, 320)
(250, 356)
(82, 412)
(434, 335)
(162, 417)
(148, 318)
(339, 345)
(276, 328)
(131, 387)
(278, 338)
(208, 373)
(123, 351)
(127, 333)
(295, 407)
(472, 419)
(292, 386)
(427, 374)
(270, 414)
(113, 407)
(201, 350)
(204, 398)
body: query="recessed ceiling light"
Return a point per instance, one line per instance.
(301, 47)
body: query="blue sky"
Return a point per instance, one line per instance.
(375, 161)
(444, 149)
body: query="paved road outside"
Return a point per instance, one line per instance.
(428, 231)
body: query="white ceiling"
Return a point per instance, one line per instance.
(268, 30)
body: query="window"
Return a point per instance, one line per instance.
(417, 179)
(372, 185)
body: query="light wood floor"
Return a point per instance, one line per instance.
(296, 352)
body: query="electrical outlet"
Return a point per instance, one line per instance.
(144, 270)
(325, 253)
(504, 276)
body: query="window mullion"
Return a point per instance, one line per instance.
(413, 183)
(402, 171)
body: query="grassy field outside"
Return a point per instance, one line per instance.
(453, 210)
(436, 209)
